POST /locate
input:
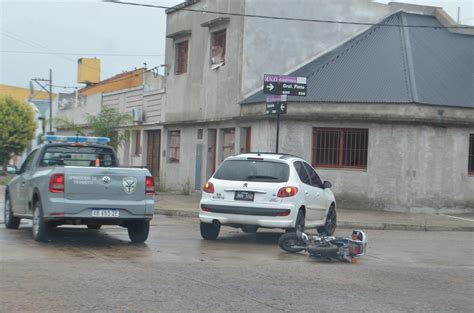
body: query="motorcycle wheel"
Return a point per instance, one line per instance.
(291, 243)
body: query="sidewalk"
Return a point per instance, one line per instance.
(172, 204)
(188, 206)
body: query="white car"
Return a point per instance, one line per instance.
(268, 190)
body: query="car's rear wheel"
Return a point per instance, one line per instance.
(94, 227)
(331, 221)
(138, 231)
(40, 227)
(210, 231)
(250, 229)
(11, 222)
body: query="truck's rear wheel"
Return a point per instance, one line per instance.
(138, 231)
(39, 227)
(11, 222)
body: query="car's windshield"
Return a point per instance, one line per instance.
(253, 170)
(78, 156)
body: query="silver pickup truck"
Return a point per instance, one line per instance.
(79, 183)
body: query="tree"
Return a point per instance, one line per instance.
(17, 127)
(105, 124)
(68, 124)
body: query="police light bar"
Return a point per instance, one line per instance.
(102, 140)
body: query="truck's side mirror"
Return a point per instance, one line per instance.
(12, 169)
(327, 185)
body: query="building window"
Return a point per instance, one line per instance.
(340, 147)
(137, 143)
(181, 62)
(199, 134)
(218, 48)
(173, 146)
(228, 142)
(471, 155)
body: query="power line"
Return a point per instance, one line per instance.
(34, 44)
(92, 54)
(283, 18)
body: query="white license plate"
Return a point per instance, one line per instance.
(105, 213)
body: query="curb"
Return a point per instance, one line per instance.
(345, 224)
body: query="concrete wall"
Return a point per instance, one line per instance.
(253, 47)
(203, 93)
(78, 114)
(415, 164)
(277, 47)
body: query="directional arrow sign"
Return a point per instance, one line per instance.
(284, 85)
(276, 104)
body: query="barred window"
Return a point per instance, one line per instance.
(181, 61)
(173, 146)
(340, 147)
(471, 155)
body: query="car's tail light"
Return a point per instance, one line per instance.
(355, 249)
(208, 187)
(286, 213)
(150, 185)
(287, 192)
(56, 183)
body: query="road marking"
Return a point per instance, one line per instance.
(459, 218)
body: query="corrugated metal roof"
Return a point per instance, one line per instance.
(393, 65)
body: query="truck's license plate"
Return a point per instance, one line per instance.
(105, 213)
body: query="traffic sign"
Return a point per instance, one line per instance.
(276, 104)
(284, 85)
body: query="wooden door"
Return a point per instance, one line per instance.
(154, 152)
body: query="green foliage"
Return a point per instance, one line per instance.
(17, 127)
(68, 124)
(106, 122)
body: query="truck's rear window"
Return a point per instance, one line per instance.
(253, 170)
(78, 156)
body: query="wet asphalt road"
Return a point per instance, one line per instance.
(176, 271)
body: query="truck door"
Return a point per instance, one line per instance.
(22, 184)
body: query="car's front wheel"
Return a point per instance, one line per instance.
(210, 231)
(250, 229)
(94, 227)
(138, 231)
(11, 222)
(40, 227)
(331, 221)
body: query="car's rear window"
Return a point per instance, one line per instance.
(253, 170)
(78, 156)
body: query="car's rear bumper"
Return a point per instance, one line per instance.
(64, 209)
(262, 216)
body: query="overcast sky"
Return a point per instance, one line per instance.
(30, 29)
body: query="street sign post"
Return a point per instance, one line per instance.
(284, 85)
(276, 104)
(281, 86)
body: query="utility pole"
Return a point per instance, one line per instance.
(50, 92)
(50, 100)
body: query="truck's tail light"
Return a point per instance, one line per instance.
(150, 185)
(287, 192)
(56, 183)
(208, 187)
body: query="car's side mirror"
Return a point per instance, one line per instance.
(327, 185)
(12, 169)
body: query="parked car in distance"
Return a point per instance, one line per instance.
(266, 190)
(76, 180)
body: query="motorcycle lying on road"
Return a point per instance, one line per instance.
(343, 249)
